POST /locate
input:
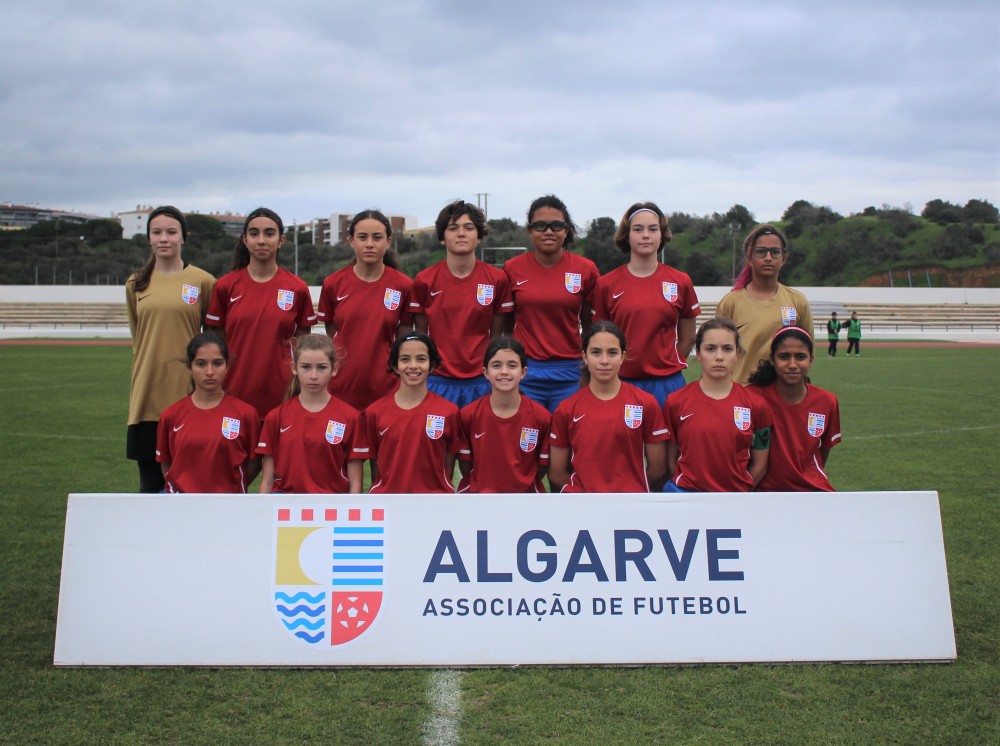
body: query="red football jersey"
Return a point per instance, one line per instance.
(547, 303)
(260, 319)
(799, 432)
(714, 437)
(311, 449)
(505, 453)
(367, 316)
(459, 313)
(607, 438)
(409, 445)
(648, 309)
(207, 449)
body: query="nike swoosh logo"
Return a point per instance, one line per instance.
(382, 432)
(436, 292)
(521, 282)
(343, 297)
(577, 419)
(616, 296)
(233, 300)
(479, 435)
(179, 427)
(685, 416)
(283, 429)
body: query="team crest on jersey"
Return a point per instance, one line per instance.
(789, 315)
(392, 298)
(230, 428)
(574, 282)
(286, 299)
(670, 291)
(816, 424)
(484, 294)
(189, 294)
(741, 416)
(318, 602)
(529, 439)
(335, 432)
(435, 426)
(633, 415)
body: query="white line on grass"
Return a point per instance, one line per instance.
(922, 433)
(62, 436)
(445, 692)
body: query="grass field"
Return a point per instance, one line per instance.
(912, 419)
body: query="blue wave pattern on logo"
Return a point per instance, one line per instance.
(305, 604)
(354, 549)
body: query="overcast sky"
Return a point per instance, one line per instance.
(315, 107)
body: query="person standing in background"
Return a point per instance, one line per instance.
(854, 335)
(833, 334)
(758, 304)
(167, 301)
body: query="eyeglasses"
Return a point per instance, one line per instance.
(761, 251)
(540, 226)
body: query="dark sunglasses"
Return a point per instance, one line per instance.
(540, 226)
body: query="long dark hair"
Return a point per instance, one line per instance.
(196, 343)
(389, 257)
(432, 350)
(607, 327)
(144, 274)
(241, 254)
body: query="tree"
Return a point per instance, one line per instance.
(802, 214)
(954, 243)
(980, 211)
(741, 216)
(600, 245)
(702, 270)
(941, 212)
(96, 232)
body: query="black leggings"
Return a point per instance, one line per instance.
(853, 344)
(832, 349)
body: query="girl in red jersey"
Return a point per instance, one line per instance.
(506, 434)
(365, 306)
(414, 434)
(610, 432)
(313, 443)
(651, 302)
(259, 308)
(553, 291)
(721, 431)
(205, 441)
(806, 418)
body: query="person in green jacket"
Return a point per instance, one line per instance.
(854, 335)
(833, 334)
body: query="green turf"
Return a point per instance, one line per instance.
(912, 419)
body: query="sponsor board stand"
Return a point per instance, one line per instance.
(481, 580)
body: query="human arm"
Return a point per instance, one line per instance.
(558, 467)
(586, 316)
(267, 475)
(373, 467)
(824, 454)
(355, 475)
(685, 336)
(252, 467)
(498, 324)
(672, 454)
(420, 322)
(130, 305)
(656, 465)
(331, 329)
(758, 464)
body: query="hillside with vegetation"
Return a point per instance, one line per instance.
(946, 245)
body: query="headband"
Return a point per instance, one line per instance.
(784, 329)
(641, 209)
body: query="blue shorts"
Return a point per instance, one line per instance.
(459, 391)
(671, 487)
(660, 388)
(550, 381)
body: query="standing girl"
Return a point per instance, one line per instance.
(553, 294)
(611, 433)
(721, 431)
(414, 434)
(854, 335)
(506, 434)
(166, 300)
(758, 304)
(206, 441)
(364, 306)
(806, 418)
(260, 308)
(313, 443)
(650, 302)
